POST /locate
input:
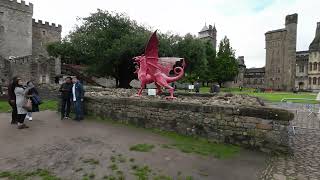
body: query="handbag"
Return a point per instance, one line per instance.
(28, 105)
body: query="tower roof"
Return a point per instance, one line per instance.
(205, 28)
(315, 45)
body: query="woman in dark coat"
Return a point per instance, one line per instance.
(31, 94)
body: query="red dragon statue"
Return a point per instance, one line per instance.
(150, 68)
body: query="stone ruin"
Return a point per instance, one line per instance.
(207, 99)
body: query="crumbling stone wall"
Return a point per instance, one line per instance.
(262, 128)
(41, 70)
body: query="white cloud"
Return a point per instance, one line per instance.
(243, 21)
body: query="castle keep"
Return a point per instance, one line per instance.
(285, 68)
(23, 42)
(281, 55)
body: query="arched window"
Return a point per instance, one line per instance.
(309, 80)
(315, 66)
(314, 81)
(310, 68)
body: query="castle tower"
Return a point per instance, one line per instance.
(209, 34)
(281, 55)
(290, 52)
(42, 35)
(314, 61)
(15, 28)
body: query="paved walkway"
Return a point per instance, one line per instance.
(304, 163)
(72, 149)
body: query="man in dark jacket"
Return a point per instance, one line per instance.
(77, 98)
(12, 100)
(66, 94)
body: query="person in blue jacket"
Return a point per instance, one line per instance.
(77, 98)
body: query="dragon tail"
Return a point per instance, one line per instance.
(179, 73)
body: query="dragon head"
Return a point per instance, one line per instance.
(137, 60)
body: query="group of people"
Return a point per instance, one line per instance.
(24, 100)
(72, 93)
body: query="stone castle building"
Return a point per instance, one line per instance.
(281, 55)
(209, 34)
(23, 42)
(285, 67)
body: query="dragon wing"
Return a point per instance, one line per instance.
(151, 51)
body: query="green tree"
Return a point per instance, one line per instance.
(106, 42)
(193, 51)
(225, 65)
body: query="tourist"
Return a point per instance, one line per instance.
(197, 87)
(22, 102)
(66, 94)
(35, 99)
(77, 98)
(1, 85)
(12, 100)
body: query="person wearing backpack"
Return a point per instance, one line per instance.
(35, 99)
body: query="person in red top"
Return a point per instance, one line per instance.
(12, 100)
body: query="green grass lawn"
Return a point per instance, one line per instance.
(46, 105)
(269, 96)
(278, 96)
(4, 106)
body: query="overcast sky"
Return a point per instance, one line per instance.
(244, 22)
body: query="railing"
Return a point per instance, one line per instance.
(67, 68)
(306, 114)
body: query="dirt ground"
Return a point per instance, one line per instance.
(64, 146)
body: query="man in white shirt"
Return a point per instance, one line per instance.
(77, 98)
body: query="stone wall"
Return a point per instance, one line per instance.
(262, 128)
(42, 35)
(39, 69)
(15, 28)
(281, 55)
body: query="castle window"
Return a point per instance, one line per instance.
(255, 81)
(318, 80)
(310, 80)
(310, 66)
(315, 66)
(301, 68)
(43, 32)
(318, 66)
(314, 81)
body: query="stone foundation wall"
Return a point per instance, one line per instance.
(262, 128)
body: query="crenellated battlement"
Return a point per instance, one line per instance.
(20, 6)
(46, 25)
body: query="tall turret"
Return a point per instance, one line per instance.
(315, 45)
(281, 55)
(290, 53)
(209, 34)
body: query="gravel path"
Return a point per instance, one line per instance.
(304, 163)
(72, 149)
